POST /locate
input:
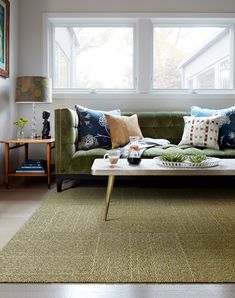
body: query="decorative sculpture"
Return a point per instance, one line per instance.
(46, 125)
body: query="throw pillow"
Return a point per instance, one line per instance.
(201, 132)
(93, 128)
(227, 128)
(122, 127)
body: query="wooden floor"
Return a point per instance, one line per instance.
(19, 202)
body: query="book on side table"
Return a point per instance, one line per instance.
(32, 167)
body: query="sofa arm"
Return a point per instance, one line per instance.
(66, 138)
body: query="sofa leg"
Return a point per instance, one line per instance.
(59, 182)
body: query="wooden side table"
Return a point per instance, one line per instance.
(14, 144)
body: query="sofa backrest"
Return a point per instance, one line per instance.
(166, 125)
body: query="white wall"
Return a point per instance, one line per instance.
(7, 87)
(31, 48)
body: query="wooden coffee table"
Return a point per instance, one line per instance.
(148, 167)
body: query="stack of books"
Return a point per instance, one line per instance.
(32, 166)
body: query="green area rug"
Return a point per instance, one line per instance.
(153, 235)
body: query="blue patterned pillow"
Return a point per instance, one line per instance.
(227, 129)
(93, 128)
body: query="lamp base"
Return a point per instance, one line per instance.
(46, 137)
(35, 136)
(34, 124)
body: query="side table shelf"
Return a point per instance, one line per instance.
(14, 144)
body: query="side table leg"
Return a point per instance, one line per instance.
(26, 151)
(49, 165)
(7, 151)
(108, 195)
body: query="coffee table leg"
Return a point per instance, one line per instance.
(108, 195)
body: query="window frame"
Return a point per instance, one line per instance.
(198, 22)
(87, 22)
(143, 26)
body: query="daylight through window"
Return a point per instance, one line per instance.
(101, 58)
(141, 55)
(190, 57)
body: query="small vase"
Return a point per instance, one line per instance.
(20, 134)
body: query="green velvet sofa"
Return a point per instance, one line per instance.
(71, 162)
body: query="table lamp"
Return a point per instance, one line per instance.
(33, 89)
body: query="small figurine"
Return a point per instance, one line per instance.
(46, 125)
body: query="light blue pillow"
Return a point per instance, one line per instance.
(93, 128)
(227, 129)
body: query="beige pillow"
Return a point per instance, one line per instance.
(201, 131)
(121, 128)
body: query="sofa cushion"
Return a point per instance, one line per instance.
(161, 125)
(93, 128)
(227, 129)
(187, 150)
(201, 132)
(82, 160)
(121, 128)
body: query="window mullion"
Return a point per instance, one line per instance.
(144, 55)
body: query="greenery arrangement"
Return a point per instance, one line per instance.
(173, 157)
(21, 122)
(196, 159)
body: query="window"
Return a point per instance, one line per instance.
(224, 74)
(183, 52)
(61, 78)
(140, 55)
(206, 79)
(101, 57)
(189, 83)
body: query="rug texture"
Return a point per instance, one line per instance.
(152, 235)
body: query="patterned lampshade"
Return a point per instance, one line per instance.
(33, 89)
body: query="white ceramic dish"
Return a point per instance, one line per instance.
(208, 163)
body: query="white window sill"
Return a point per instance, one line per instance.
(155, 94)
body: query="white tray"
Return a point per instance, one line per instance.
(208, 163)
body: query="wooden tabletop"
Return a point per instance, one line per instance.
(28, 141)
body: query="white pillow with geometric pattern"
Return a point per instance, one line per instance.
(201, 131)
